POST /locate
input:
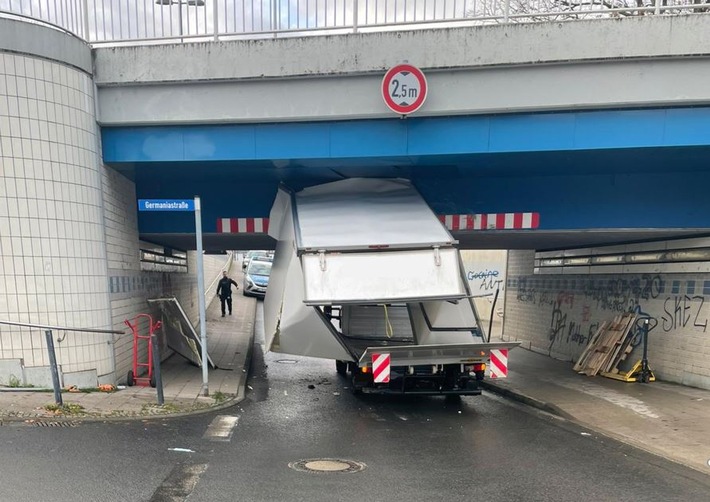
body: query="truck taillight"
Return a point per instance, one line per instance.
(475, 368)
(365, 369)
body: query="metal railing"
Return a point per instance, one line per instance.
(140, 21)
(49, 344)
(67, 15)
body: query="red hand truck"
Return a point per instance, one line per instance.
(133, 378)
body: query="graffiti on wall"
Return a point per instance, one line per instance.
(578, 306)
(486, 281)
(682, 311)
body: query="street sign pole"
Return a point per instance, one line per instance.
(201, 296)
(189, 205)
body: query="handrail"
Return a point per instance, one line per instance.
(101, 22)
(63, 328)
(68, 16)
(54, 367)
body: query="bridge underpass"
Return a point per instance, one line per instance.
(594, 178)
(503, 131)
(631, 185)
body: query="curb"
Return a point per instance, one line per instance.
(241, 391)
(525, 399)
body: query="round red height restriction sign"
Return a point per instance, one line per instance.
(404, 89)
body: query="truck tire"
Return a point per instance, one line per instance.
(355, 385)
(341, 367)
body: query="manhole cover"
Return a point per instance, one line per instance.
(327, 465)
(287, 361)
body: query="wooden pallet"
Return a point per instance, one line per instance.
(584, 357)
(604, 351)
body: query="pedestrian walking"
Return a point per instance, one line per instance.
(224, 290)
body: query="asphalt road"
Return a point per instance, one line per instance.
(413, 449)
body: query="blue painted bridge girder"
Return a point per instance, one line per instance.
(580, 170)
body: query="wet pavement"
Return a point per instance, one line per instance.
(661, 418)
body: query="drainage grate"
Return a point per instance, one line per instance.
(287, 361)
(327, 465)
(54, 424)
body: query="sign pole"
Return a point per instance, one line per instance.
(201, 295)
(189, 205)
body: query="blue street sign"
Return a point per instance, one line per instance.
(166, 205)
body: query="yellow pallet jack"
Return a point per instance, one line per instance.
(640, 372)
(635, 374)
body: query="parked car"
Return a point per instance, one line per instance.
(256, 278)
(260, 255)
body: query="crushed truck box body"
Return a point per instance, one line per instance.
(364, 266)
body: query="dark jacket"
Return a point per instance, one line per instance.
(224, 287)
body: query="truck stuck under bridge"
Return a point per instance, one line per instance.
(363, 267)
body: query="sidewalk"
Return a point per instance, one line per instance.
(229, 341)
(666, 419)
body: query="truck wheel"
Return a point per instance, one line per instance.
(130, 380)
(355, 386)
(341, 367)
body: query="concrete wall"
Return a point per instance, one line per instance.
(557, 314)
(635, 62)
(52, 45)
(442, 48)
(486, 271)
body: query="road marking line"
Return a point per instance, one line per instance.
(179, 484)
(221, 428)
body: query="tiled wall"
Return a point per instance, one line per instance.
(52, 250)
(129, 287)
(557, 314)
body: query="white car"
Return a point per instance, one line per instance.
(256, 278)
(261, 255)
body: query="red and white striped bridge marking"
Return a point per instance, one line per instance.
(454, 222)
(242, 225)
(381, 368)
(494, 221)
(499, 363)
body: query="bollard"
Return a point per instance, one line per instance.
(156, 370)
(53, 368)
(645, 372)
